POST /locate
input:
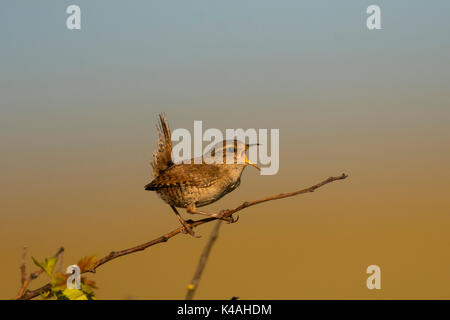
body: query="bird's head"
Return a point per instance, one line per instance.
(229, 152)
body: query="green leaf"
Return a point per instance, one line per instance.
(59, 296)
(45, 295)
(48, 265)
(38, 263)
(74, 294)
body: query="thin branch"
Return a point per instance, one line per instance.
(23, 273)
(192, 287)
(164, 238)
(33, 276)
(60, 262)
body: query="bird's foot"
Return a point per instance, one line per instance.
(222, 215)
(187, 229)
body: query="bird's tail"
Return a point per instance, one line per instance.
(162, 157)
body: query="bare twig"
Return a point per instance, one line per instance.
(23, 273)
(60, 262)
(192, 287)
(164, 238)
(33, 276)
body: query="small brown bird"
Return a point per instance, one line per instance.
(192, 185)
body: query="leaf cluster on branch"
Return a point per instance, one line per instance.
(57, 286)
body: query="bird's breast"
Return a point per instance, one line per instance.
(183, 195)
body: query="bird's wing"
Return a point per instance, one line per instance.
(162, 157)
(199, 175)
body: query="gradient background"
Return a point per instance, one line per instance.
(77, 130)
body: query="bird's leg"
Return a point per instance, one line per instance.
(193, 209)
(187, 228)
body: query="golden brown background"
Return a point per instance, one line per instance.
(78, 114)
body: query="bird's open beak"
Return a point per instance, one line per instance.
(251, 163)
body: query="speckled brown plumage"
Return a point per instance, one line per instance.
(199, 184)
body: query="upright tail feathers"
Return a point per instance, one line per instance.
(162, 157)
